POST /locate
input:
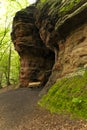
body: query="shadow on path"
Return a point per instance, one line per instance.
(15, 105)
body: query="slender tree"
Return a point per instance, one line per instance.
(9, 70)
(9, 67)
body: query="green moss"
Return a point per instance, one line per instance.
(68, 95)
(68, 6)
(43, 1)
(57, 5)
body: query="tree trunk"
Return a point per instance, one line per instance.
(1, 74)
(9, 66)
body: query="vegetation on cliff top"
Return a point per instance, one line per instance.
(68, 95)
(60, 9)
(60, 6)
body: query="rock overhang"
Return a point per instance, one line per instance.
(37, 32)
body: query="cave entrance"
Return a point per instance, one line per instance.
(49, 61)
(40, 63)
(36, 66)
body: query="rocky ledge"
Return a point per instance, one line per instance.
(51, 39)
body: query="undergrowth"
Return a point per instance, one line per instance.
(68, 95)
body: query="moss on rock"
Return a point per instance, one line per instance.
(68, 6)
(68, 95)
(61, 10)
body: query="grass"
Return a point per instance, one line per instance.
(68, 95)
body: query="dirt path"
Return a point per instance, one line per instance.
(19, 111)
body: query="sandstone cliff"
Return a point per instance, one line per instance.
(51, 39)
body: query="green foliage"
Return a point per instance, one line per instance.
(8, 8)
(58, 6)
(43, 1)
(69, 6)
(68, 95)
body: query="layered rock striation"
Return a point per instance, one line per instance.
(36, 60)
(51, 39)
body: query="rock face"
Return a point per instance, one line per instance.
(51, 39)
(35, 59)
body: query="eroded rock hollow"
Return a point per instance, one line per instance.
(51, 39)
(36, 60)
